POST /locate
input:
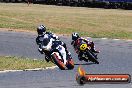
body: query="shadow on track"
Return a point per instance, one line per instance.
(84, 63)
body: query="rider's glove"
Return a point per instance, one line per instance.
(72, 42)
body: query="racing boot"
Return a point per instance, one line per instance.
(68, 53)
(69, 56)
(80, 59)
(93, 48)
(40, 50)
(95, 51)
(47, 58)
(47, 55)
(80, 56)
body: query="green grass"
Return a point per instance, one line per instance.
(92, 22)
(21, 63)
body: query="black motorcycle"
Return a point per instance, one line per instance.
(87, 54)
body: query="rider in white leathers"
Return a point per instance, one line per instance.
(49, 38)
(41, 30)
(50, 44)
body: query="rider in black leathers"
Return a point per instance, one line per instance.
(77, 40)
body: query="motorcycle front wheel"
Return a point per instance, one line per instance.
(58, 61)
(92, 57)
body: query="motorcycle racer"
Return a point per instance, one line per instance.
(41, 30)
(77, 40)
(48, 45)
(46, 40)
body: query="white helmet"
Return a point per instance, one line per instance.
(75, 36)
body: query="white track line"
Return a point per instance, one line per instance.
(104, 38)
(36, 69)
(116, 39)
(129, 40)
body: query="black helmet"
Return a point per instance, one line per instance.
(75, 36)
(41, 29)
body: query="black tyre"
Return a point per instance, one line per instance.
(92, 57)
(70, 64)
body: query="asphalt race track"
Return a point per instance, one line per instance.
(115, 57)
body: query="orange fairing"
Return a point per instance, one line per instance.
(81, 71)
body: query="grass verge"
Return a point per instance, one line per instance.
(92, 22)
(21, 63)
